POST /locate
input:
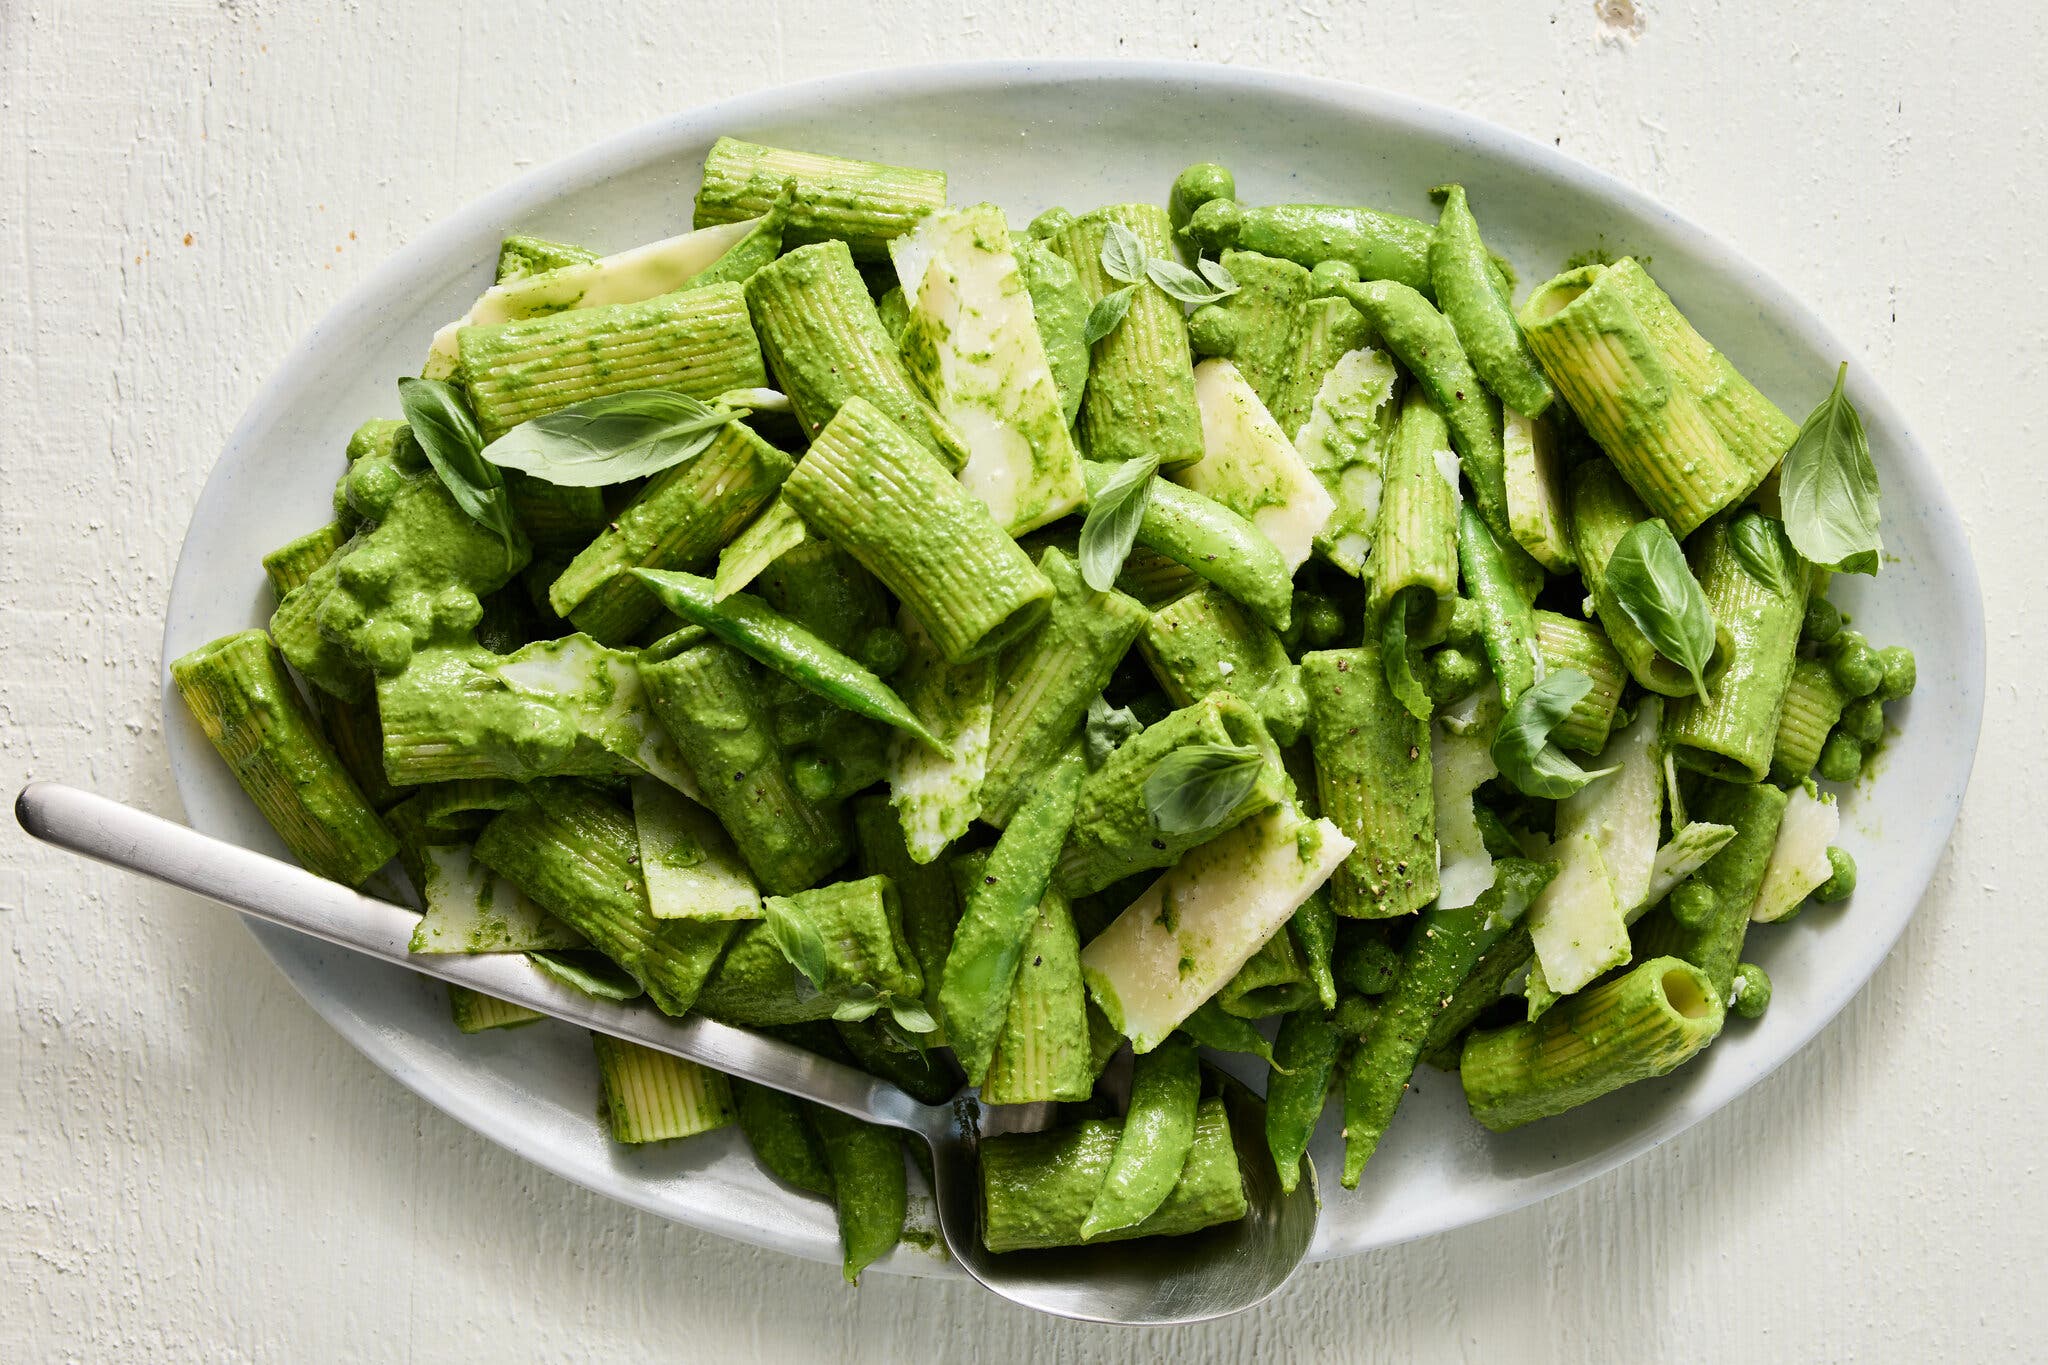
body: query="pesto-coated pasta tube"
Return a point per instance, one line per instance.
(712, 701)
(1468, 290)
(1566, 642)
(1584, 327)
(867, 487)
(695, 341)
(1045, 681)
(1141, 383)
(556, 517)
(475, 1012)
(1328, 330)
(847, 940)
(652, 1096)
(826, 344)
(1373, 781)
(1604, 509)
(756, 986)
(1037, 1188)
(1755, 811)
(1415, 542)
(678, 521)
(1213, 542)
(251, 711)
(1042, 1050)
(1208, 642)
(520, 255)
(1644, 1024)
(1813, 707)
(1757, 590)
(293, 563)
(1379, 246)
(1257, 327)
(575, 853)
(1753, 428)
(1154, 579)
(862, 203)
(1114, 836)
(924, 891)
(1274, 980)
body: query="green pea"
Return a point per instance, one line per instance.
(1751, 994)
(1841, 758)
(1823, 621)
(884, 650)
(1197, 185)
(1465, 622)
(1051, 223)
(1863, 720)
(1365, 963)
(1457, 672)
(1692, 903)
(1841, 882)
(1328, 279)
(1856, 665)
(1215, 225)
(815, 774)
(1900, 672)
(1322, 622)
(1212, 330)
(1354, 1015)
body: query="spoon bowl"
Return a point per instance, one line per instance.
(1208, 1274)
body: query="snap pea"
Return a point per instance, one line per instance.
(1379, 246)
(1158, 1132)
(1507, 626)
(1307, 1049)
(1468, 292)
(981, 966)
(1315, 932)
(1212, 1028)
(781, 1137)
(759, 631)
(866, 1162)
(1196, 186)
(1423, 340)
(1214, 542)
(1442, 950)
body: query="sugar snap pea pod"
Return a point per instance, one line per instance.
(1735, 874)
(1423, 340)
(1158, 1131)
(1305, 1057)
(1507, 627)
(781, 1136)
(1442, 950)
(1379, 246)
(1314, 927)
(988, 943)
(1221, 1032)
(1467, 291)
(868, 1184)
(1195, 186)
(1214, 542)
(759, 631)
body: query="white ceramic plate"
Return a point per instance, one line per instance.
(1030, 135)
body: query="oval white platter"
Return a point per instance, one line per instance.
(1028, 136)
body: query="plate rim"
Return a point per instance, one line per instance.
(620, 151)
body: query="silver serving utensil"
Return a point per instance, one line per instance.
(1159, 1281)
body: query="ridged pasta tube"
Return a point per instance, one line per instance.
(1566, 642)
(1813, 706)
(862, 203)
(1604, 509)
(1373, 781)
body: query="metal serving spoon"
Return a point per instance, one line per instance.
(1158, 1281)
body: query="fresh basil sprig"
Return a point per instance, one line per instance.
(1828, 487)
(611, 439)
(592, 973)
(447, 434)
(1114, 515)
(1196, 785)
(1108, 314)
(1123, 256)
(1522, 749)
(1395, 658)
(804, 945)
(1107, 730)
(1655, 589)
(1185, 285)
(1754, 539)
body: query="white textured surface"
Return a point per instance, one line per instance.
(196, 1168)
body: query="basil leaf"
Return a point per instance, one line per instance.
(1183, 283)
(1107, 731)
(1522, 749)
(612, 439)
(447, 434)
(1123, 255)
(589, 972)
(909, 1018)
(1754, 539)
(799, 940)
(1217, 274)
(1108, 314)
(1828, 487)
(1394, 657)
(1197, 785)
(1655, 588)
(1114, 515)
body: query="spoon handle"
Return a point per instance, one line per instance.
(293, 897)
